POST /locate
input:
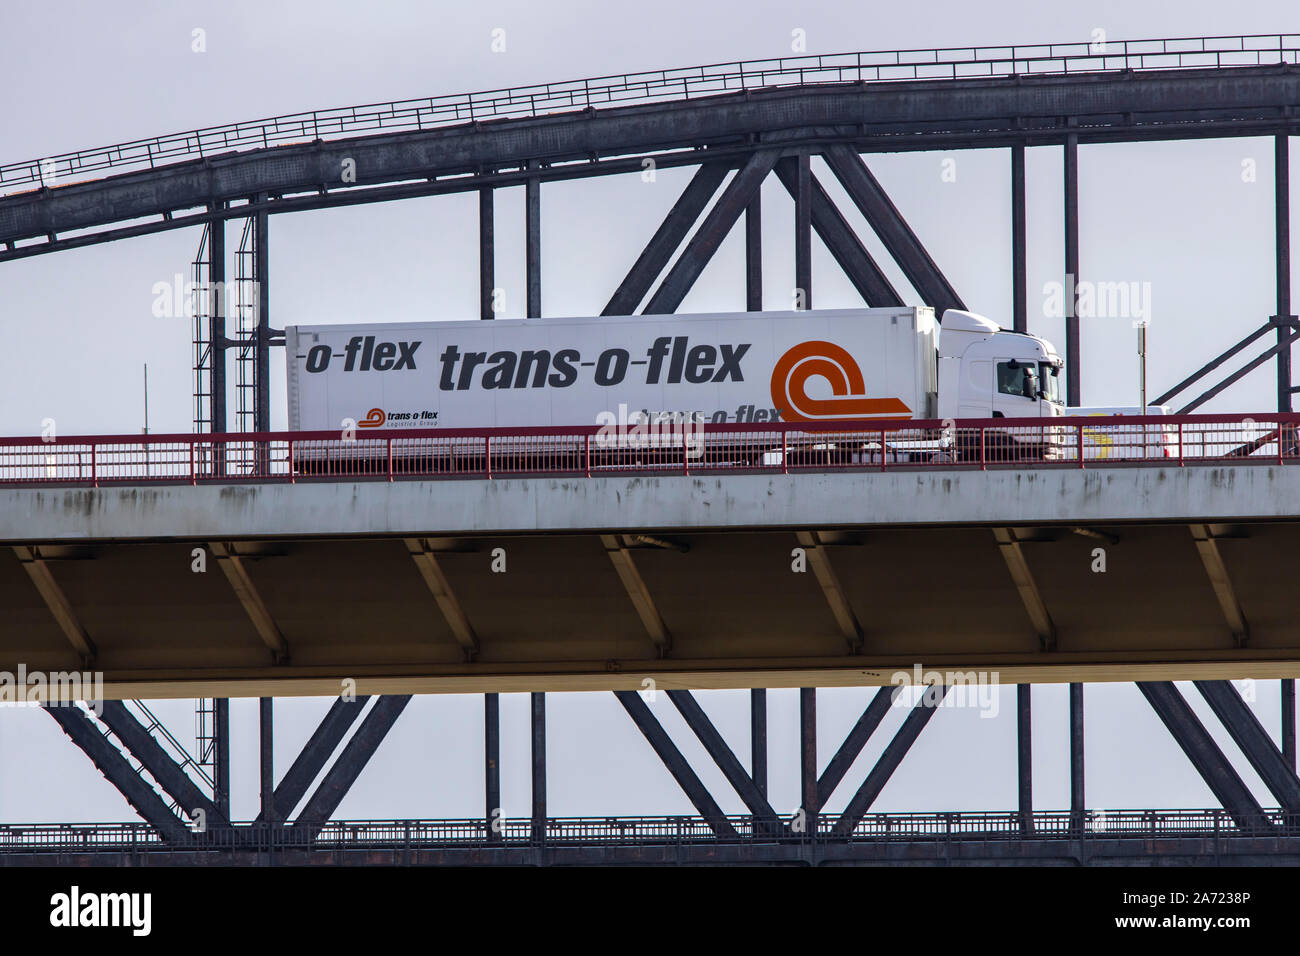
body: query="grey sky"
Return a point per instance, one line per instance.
(78, 324)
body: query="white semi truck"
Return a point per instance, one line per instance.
(719, 369)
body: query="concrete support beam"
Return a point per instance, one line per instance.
(1208, 548)
(436, 581)
(621, 557)
(236, 573)
(57, 602)
(1026, 586)
(820, 561)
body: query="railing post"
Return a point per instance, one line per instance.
(192, 478)
(785, 451)
(686, 453)
(389, 441)
(487, 455)
(293, 472)
(983, 455)
(586, 454)
(94, 474)
(1078, 427)
(1180, 444)
(882, 449)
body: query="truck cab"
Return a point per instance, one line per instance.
(988, 372)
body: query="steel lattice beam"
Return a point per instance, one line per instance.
(158, 763)
(893, 230)
(842, 242)
(314, 754)
(1204, 754)
(657, 253)
(1254, 741)
(676, 764)
(724, 757)
(338, 781)
(738, 194)
(856, 739)
(913, 724)
(119, 772)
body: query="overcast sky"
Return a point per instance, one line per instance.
(78, 325)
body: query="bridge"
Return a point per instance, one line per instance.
(496, 561)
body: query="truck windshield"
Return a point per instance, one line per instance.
(1049, 382)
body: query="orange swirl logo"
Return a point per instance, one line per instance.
(833, 363)
(375, 418)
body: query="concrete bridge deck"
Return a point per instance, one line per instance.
(575, 583)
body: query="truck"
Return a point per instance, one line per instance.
(679, 371)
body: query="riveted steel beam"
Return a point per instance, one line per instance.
(1204, 753)
(738, 194)
(841, 241)
(667, 238)
(872, 201)
(676, 764)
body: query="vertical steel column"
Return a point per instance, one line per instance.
(803, 230)
(1025, 756)
(758, 738)
(539, 768)
(533, 257)
(1076, 755)
(262, 408)
(267, 762)
(1282, 179)
(221, 746)
(492, 763)
(1072, 389)
(808, 755)
(1288, 722)
(754, 254)
(486, 254)
(217, 311)
(1019, 248)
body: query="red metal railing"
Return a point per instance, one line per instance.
(589, 450)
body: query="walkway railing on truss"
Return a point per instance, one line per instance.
(657, 85)
(782, 447)
(668, 830)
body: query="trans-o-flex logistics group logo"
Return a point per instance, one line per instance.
(817, 359)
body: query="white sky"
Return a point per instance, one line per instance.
(78, 327)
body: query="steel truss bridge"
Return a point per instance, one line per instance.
(735, 124)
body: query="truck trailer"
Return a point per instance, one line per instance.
(717, 369)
